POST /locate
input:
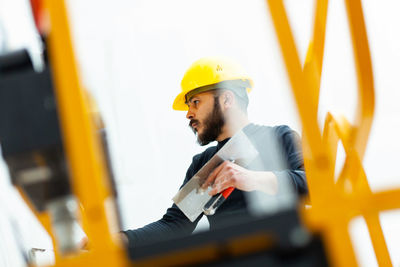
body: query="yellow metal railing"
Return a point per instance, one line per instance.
(84, 152)
(335, 204)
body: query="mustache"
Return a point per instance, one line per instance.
(193, 122)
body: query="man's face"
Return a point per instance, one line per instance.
(206, 118)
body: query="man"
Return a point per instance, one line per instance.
(214, 93)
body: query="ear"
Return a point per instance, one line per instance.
(228, 99)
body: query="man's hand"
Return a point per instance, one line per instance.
(84, 243)
(229, 174)
(122, 238)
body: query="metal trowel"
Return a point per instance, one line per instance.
(191, 199)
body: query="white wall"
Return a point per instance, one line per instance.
(132, 55)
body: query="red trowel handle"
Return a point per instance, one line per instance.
(212, 205)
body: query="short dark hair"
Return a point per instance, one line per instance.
(241, 97)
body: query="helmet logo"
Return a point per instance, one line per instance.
(219, 68)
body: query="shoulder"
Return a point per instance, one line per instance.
(262, 129)
(205, 155)
(282, 132)
(286, 132)
(289, 138)
(200, 159)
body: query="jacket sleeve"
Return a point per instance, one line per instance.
(174, 223)
(291, 145)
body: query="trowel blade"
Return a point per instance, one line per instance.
(190, 199)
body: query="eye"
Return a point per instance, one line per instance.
(195, 102)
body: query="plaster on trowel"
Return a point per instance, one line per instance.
(191, 199)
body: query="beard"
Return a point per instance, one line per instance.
(212, 125)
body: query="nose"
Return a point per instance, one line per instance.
(189, 114)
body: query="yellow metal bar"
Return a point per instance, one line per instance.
(81, 144)
(377, 238)
(83, 150)
(330, 140)
(355, 175)
(306, 91)
(354, 138)
(315, 54)
(381, 201)
(339, 244)
(366, 104)
(318, 162)
(312, 71)
(301, 89)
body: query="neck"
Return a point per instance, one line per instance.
(233, 123)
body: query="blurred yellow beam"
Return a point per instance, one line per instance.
(366, 104)
(320, 151)
(84, 153)
(353, 173)
(316, 154)
(312, 70)
(382, 201)
(315, 53)
(302, 91)
(306, 92)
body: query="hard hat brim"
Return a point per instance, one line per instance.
(180, 102)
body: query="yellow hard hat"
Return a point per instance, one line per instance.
(211, 73)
